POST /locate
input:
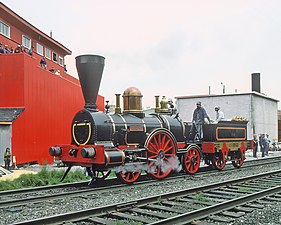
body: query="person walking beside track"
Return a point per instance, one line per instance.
(267, 141)
(256, 143)
(262, 144)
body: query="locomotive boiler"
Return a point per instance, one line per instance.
(130, 142)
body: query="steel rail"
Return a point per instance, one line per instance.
(83, 214)
(75, 193)
(188, 217)
(84, 183)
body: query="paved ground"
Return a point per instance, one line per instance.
(15, 174)
(249, 154)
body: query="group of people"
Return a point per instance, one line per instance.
(263, 141)
(5, 49)
(43, 64)
(200, 117)
(20, 48)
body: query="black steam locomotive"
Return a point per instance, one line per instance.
(131, 142)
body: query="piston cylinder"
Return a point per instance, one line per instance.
(116, 157)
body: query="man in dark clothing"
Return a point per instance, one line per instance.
(6, 49)
(52, 70)
(256, 143)
(1, 49)
(65, 70)
(30, 51)
(43, 63)
(7, 158)
(200, 117)
(262, 144)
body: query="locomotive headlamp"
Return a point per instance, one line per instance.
(88, 152)
(55, 151)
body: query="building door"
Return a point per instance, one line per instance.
(5, 140)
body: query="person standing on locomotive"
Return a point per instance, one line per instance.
(200, 117)
(219, 114)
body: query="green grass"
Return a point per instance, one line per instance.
(44, 177)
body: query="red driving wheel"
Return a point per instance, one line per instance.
(191, 160)
(161, 153)
(219, 160)
(238, 159)
(128, 177)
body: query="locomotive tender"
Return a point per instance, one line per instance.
(131, 142)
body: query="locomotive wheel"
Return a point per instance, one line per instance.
(161, 153)
(219, 161)
(238, 159)
(128, 177)
(191, 160)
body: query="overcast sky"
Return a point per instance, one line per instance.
(171, 48)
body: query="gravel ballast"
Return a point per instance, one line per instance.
(269, 215)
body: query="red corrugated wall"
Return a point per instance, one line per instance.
(50, 103)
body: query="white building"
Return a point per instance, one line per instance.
(260, 110)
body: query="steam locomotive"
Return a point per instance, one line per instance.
(132, 142)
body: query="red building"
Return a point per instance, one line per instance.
(36, 105)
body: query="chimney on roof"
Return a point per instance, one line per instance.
(256, 86)
(51, 34)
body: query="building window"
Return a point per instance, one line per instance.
(26, 41)
(48, 53)
(4, 29)
(60, 60)
(55, 59)
(39, 49)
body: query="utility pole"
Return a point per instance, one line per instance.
(223, 87)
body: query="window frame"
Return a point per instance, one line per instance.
(56, 58)
(42, 48)
(48, 51)
(23, 44)
(61, 60)
(9, 29)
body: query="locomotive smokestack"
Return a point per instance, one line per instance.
(90, 68)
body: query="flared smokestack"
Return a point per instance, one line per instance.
(90, 68)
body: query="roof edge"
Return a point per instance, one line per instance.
(234, 94)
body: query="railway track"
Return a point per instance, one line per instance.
(13, 203)
(44, 193)
(218, 202)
